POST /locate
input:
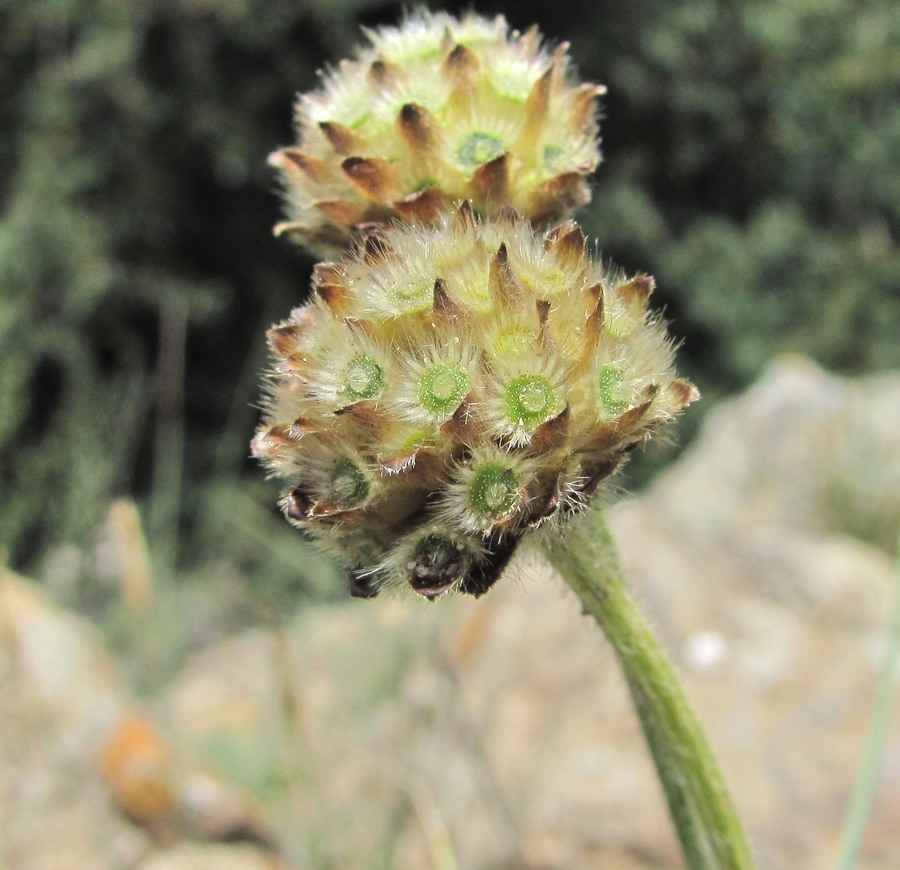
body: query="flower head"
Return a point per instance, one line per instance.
(453, 386)
(436, 111)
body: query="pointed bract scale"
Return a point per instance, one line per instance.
(561, 194)
(463, 66)
(277, 435)
(570, 247)
(401, 463)
(463, 426)
(463, 71)
(297, 505)
(491, 180)
(328, 273)
(685, 393)
(419, 128)
(560, 59)
(296, 365)
(553, 434)
(536, 106)
(545, 337)
(284, 338)
(596, 474)
(530, 41)
(332, 511)
(595, 318)
(362, 327)
(423, 206)
(484, 574)
(377, 250)
(584, 107)
(373, 176)
(363, 412)
(383, 74)
(557, 232)
(342, 212)
(636, 292)
(326, 237)
(506, 214)
(633, 416)
(544, 499)
(446, 40)
(337, 297)
(444, 308)
(464, 218)
(315, 169)
(342, 139)
(304, 426)
(362, 584)
(503, 285)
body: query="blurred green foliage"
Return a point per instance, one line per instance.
(751, 153)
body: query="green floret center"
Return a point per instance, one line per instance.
(349, 483)
(612, 389)
(363, 379)
(553, 155)
(493, 490)
(479, 148)
(530, 400)
(443, 387)
(411, 297)
(513, 344)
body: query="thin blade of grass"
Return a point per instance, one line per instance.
(867, 777)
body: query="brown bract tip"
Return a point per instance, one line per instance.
(636, 292)
(372, 175)
(491, 180)
(424, 206)
(288, 159)
(553, 434)
(464, 218)
(341, 138)
(501, 280)
(418, 127)
(685, 392)
(382, 73)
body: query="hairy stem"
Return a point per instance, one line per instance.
(709, 830)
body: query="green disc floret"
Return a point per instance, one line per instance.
(349, 484)
(513, 344)
(443, 387)
(612, 389)
(479, 148)
(530, 400)
(552, 155)
(493, 490)
(411, 296)
(363, 379)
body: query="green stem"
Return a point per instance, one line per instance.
(709, 830)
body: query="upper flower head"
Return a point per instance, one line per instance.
(452, 387)
(436, 111)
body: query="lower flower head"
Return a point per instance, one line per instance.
(451, 387)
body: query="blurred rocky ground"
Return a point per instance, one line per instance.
(497, 734)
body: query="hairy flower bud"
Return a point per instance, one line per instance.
(453, 386)
(434, 112)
